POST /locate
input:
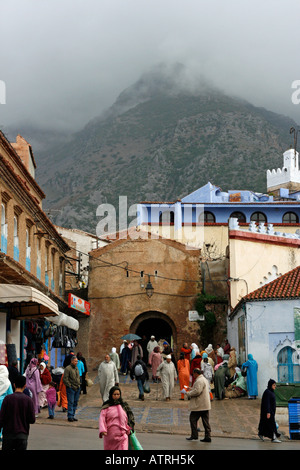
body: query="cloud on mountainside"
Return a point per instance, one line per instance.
(63, 63)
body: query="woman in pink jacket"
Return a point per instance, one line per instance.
(116, 421)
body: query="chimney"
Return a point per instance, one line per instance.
(24, 151)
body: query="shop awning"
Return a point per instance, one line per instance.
(65, 320)
(27, 302)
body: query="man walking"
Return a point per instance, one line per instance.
(16, 415)
(71, 380)
(199, 406)
(140, 373)
(108, 377)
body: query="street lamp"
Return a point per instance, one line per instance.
(149, 288)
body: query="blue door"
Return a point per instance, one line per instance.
(288, 369)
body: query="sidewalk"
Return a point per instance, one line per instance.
(236, 418)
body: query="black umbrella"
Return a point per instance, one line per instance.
(130, 337)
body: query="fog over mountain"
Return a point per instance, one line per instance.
(64, 63)
(160, 140)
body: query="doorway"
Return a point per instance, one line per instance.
(156, 324)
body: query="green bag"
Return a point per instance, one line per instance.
(146, 387)
(133, 442)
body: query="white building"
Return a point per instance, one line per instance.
(266, 324)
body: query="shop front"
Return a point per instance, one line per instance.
(21, 305)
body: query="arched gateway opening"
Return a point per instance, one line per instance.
(154, 323)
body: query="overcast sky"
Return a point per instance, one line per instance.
(65, 61)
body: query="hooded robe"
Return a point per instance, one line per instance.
(252, 368)
(108, 377)
(267, 426)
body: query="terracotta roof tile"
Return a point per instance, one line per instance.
(284, 287)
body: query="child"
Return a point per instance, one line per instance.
(51, 399)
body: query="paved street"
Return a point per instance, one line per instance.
(160, 425)
(57, 437)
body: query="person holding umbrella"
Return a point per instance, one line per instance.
(125, 358)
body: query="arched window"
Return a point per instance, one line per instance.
(166, 217)
(290, 218)
(288, 366)
(258, 217)
(238, 215)
(207, 217)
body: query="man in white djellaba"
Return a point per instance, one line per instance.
(108, 377)
(168, 374)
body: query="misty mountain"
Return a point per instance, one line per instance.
(164, 137)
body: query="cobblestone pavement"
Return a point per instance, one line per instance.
(228, 418)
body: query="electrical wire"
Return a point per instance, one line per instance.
(118, 265)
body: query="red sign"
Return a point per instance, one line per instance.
(79, 304)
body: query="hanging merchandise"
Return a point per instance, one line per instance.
(64, 338)
(11, 353)
(58, 341)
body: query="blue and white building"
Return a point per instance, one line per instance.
(198, 217)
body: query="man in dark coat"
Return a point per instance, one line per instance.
(267, 424)
(125, 358)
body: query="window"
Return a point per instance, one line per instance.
(206, 217)
(3, 229)
(46, 265)
(238, 215)
(288, 366)
(61, 277)
(28, 249)
(166, 217)
(290, 218)
(258, 217)
(52, 269)
(16, 238)
(38, 257)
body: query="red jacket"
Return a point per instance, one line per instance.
(186, 352)
(46, 377)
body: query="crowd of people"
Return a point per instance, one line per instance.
(43, 387)
(200, 373)
(156, 359)
(203, 375)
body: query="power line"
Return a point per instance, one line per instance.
(118, 265)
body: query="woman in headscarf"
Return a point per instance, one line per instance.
(45, 380)
(116, 421)
(252, 367)
(237, 388)
(5, 386)
(219, 354)
(155, 360)
(195, 350)
(195, 364)
(183, 367)
(267, 424)
(232, 362)
(221, 374)
(208, 371)
(33, 383)
(211, 353)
